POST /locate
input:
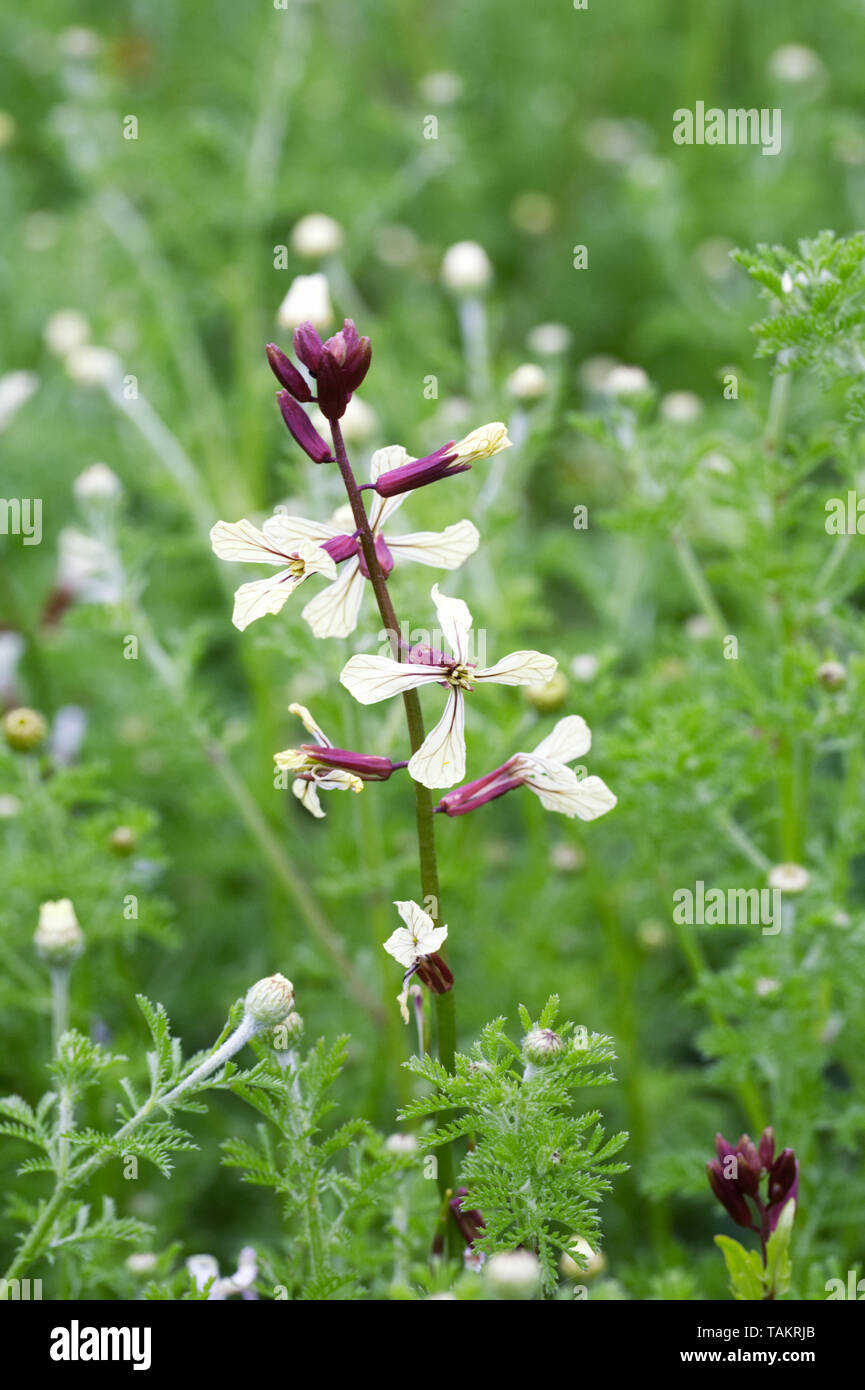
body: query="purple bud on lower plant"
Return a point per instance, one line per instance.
(302, 430)
(420, 472)
(783, 1184)
(332, 393)
(308, 346)
(729, 1195)
(435, 973)
(287, 374)
(767, 1147)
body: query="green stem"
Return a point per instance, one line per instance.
(445, 1012)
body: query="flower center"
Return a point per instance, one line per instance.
(297, 569)
(459, 676)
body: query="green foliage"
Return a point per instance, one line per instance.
(535, 1169)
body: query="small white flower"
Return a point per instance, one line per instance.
(409, 944)
(94, 366)
(513, 1274)
(308, 300)
(622, 380)
(466, 268)
(11, 651)
(316, 235)
(795, 63)
(290, 543)
(334, 612)
(97, 483)
(550, 339)
(441, 759)
(585, 666)
(59, 938)
(64, 331)
(402, 1144)
(441, 88)
(87, 568)
(832, 674)
(16, 388)
(681, 407)
(790, 878)
(558, 788)
(764, 986)
(316, 776)
(203, 1268)
(141, 1262)
(528, 382)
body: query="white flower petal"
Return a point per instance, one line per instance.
(400, 945)
(373, 678)
(441, 759)
(419, 937)
(455, 621)
(240, 540)
(334, 612)
(446, 549)
(263, 596)
(315, 560)
(417, 921)
(383, 460)
(570, 739)
(308, 797)
(559, 789)
(520, 668)
(285, 532)
(310, 725)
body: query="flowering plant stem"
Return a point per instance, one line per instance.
(445, 1013)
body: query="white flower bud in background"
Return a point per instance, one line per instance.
(359, 423)
(652, 935)
(94, 366)
(78, 42)
(698, 627)
(585, 666)
(65, 331)
(308, 300)
(97, 483)
(466, 268)
(269, 1001)
(568, 859)
(122, 841)
(316, 235)
(681, 407)
(764, 986)
(594, 1261)
(790, 878)
(24, 729)
(831, 674)
(402, 1144)
(549, 339)
(8, 128)
(10, 807)
(141, 1262)
(528, 382)
(795, 63)
(16, 388)
(550, 696)
(203, 1268)
(541, 1046)
(715, 462)
(67, 734)
(623, 380)
(513, 1274)
(58, 938)
(441, 88)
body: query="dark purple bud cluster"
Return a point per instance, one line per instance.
(735, 1177)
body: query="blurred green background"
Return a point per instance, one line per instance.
(554, 130)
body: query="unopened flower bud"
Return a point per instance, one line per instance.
(123, 841)
(316, 235)
(528, 382)
(269, 1001)
(513, 1274)
(98, 483)
(831, 674)
(790, 878)
(466, 268)
(65, 331)
(24, 729)
(550, 696)
(401, 1144)
(58, 938)
(288, 1032)
(594, 1261)
(307, 301)
(542, 1045)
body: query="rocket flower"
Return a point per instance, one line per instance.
(441, 759)
(546, 773)
(415, 946)
(322, 767)
(284, 546)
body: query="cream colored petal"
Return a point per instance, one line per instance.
(315, 560)
(262, 596)
(308, 797)
(520, 668)
(240, 540)
(441, 759)
(310, 725)
(559, 789)
(483, 442)
(334, 612)
(455, 621)
(285, 532)
(291, 759)
(373, 678)
(417, 921)
(383, 460)
(400, 945)
(446, 549)
(570, 739)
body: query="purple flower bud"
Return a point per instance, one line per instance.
(287, 374)
(340, 547)
(767, 1147)
(365, 765)
(728, 1195)
(722, 1148)
(433, 972)
(308, 346)
(383, 555)
(783, 1184)
(471, 795)
(420, 472)
(302, 430)
(332, 393)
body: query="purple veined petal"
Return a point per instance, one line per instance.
(287, 374)
(441, 759)
(302, 430)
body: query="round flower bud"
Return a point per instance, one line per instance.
(97, 483)
(765, 986)
(528, 382)
(513, 1274)
(58, 938)
(24, 729)
(93, 366)
(141, 1262)
(795, 63)
(541, 1045)
(585, 666)
(831, 674)
(681, 407)
(550, 339)
(622, 380)
(533, 213)
(65, 331)
(123, 841)
(653, 935)
(550, 696)
(287, 1032)
(269, 1000)
(307, 301)
(790, 878)
(401, 1144)
(466, 268)
(316, 235)
(594, 1261)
